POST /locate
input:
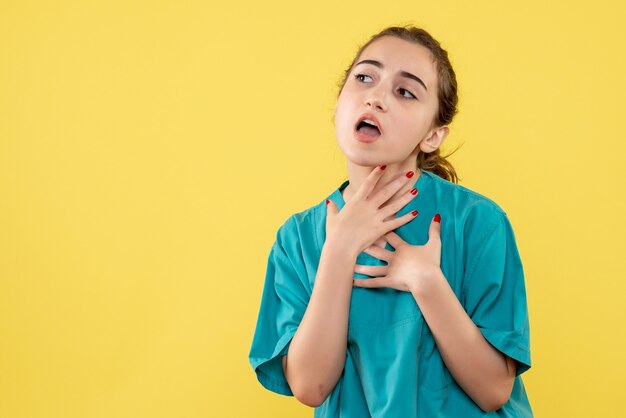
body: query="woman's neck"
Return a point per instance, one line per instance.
(357, 174)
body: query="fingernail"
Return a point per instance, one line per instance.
(414, 213)
(437, 218)
(413, 191)
(409, 174)
(327, 201)
(382, 167)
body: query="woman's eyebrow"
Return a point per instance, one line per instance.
(402, 73)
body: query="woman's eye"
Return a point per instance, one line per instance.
(411, 96)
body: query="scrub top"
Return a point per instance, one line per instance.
(393, 367)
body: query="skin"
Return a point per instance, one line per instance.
(406, 112)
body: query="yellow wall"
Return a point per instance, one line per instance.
(149, 150)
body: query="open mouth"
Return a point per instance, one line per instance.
(367, 128)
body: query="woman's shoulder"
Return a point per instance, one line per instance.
(302, 225)
(465, 203)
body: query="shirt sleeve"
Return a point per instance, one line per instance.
(283, 303)
(496, 294)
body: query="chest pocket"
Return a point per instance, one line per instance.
(432, 371)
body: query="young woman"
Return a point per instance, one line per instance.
(402, 294)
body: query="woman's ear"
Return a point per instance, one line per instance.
(434, 139)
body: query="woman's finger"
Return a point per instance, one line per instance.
(331, 210)
(380, 282)
(380, 253)
(394, 239)
(393, 207)
(391, 188)
(434, 232)
(404, 219)
(370, 181)
(370, 283)
(370, 270)
(380, 242)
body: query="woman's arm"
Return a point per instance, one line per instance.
(317, 353)
(484, 373)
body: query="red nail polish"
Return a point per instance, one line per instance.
(437, 218)
(327, 201)
(414, 213)
(409, 174)
(382, 167)
(413, 191)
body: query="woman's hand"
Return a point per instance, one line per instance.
(409, 268)
(362, 220)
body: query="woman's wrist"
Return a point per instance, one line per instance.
(340, 247)
(428, 280)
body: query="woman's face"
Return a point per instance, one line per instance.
(385, 84)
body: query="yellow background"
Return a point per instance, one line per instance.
(149, 151)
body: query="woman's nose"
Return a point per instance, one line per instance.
(375, 99)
